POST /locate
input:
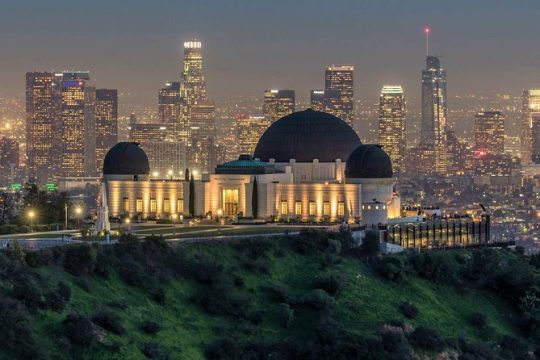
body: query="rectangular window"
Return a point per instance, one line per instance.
(341, 208)
(312, 208)
(326, 208)
(284, 208)
(298, 208)
(180, 206)
(125, 205)
(153, 205)
(139, 205)
(166, 206)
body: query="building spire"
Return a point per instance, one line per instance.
(427, 30)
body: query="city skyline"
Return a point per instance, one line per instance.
(139, 45)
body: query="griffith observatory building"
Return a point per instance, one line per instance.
(308, 166)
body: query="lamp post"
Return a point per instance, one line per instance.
(170, 173)
(31, 215)
(66, 216)
(174, 217)
(219, 213)
(128, 221)
(78, 211)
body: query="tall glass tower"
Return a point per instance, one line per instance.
(530, 110)
(434, 113)
(392, 124)
(192, 86)
(339, 92)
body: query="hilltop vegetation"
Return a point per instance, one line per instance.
(310, 296)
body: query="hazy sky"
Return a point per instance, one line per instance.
(248, 45)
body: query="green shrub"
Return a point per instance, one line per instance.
(478, 319)
(64, 290)
(332, 284)
(54, 301)
(285, 315)
(18, 337)
(318, 300)
(80, 259)
(28, 292)
(79, 330)
(392, 267)
(427, 338)
(150, 327)
(153, 351)
(109, 321)
(410, 311)
(371, 243)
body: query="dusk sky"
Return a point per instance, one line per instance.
(487, 46)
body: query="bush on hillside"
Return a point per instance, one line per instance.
(392, 267)
(54, 301)
(79, 330)
(278, 292)
(16, 328)
(318, 299)
(285, 315)
(153, 351)
(410, 311)
(39, 258)
(109, 321)
(133, 274)
(371, 244)
(478, 319)
(80, 259)
(150, 327)
(332, 284)
(64, 291)
(427, 339)
(26, 290)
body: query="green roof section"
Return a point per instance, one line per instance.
(245, 165)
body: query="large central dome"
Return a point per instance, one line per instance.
(305, 136)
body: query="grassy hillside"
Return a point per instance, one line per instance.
(215, 295)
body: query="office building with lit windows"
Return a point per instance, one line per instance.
(106, 123)
(78, 124)
(249, 130)
(169, 103)
(316, 100)
(489, 132)
(278, 103)
(392, 124)
(530, 108)
(339, 92)
(42, 117)
(434, 113)
(192, 86)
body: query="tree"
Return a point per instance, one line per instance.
(191, 196)
(370, 244)
(255, 199)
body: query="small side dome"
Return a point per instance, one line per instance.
(368, 162)
(126, 158)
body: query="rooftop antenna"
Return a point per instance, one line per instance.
(427, 30)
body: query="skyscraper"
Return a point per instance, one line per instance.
(192, 86)
(9, 160)
(530, 107)
(78, 102)
(392, 124)
(434, 113)
(249, 130)
(42, 112)
(317, 100)
(339, 92)
(489, 132)
(535, 138)
(202, 152)
(106, 123)
(278, 103)
(169, 103)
